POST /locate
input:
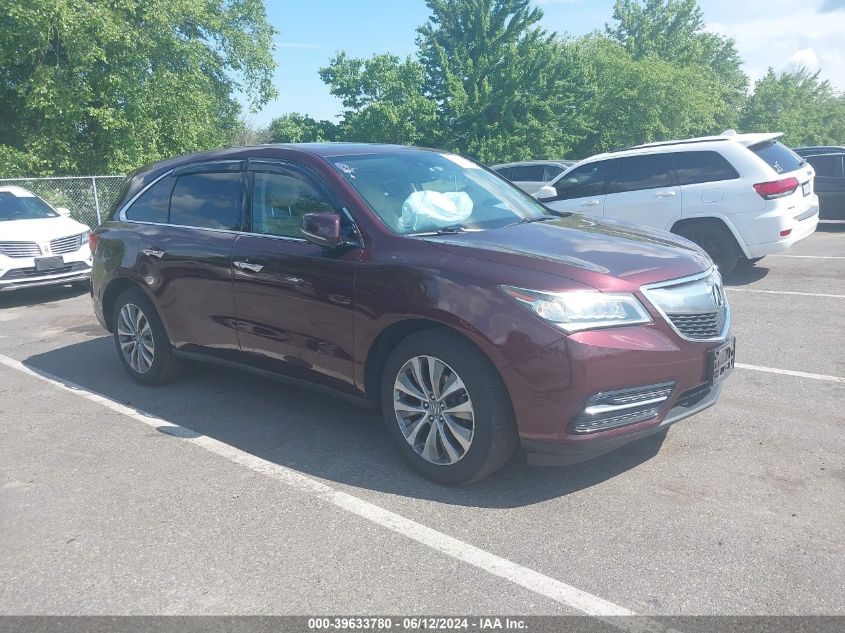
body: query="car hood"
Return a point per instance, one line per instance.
(41, 230)
(606, 255)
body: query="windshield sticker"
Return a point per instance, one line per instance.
(346, 169)
(460, 161)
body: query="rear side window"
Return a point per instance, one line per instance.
(532, 173)
(645, 172)
(152, 205)
(777, 156)
(208, 200)
(697, 167)
(587, 180)
(829, 166)
(504, 172)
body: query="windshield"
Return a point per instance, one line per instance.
(423, 192)
(13, 207)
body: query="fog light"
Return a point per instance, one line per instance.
(614, 409)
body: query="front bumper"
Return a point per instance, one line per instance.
(14, 279)
(553, 454)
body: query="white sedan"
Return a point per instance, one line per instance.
(40, 245)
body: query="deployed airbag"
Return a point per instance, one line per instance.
(422, 209)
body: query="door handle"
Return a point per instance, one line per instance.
(590, 203)
(151, 252)
(256, 268)
(665, 194)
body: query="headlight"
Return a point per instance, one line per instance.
(581, 310)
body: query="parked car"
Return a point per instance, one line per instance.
(737, 196)
(40, 245)
(829, 164)
(418, 282)
(530, 175)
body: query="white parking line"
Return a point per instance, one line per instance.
(810, 256)
(530, 579)
(785, 292)
(789, 372)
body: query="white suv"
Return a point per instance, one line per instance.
(738, 196)
(39, 244)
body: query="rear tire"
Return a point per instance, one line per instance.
(458, 425)
(142, 344)
(717, 241)
(749, 262)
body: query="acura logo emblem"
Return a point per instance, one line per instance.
(718, 299)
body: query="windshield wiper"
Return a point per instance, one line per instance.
(542, 218)
(449, 230)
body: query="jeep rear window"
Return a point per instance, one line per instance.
(778, 156)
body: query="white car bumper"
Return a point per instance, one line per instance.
(20, 272)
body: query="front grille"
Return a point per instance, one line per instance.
(25, 273)
(20, 249)
(622, 407)
(67, 244)
(696, 307)
(697, 326)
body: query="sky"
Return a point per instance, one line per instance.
(777, 33)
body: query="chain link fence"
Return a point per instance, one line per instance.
(88, 197)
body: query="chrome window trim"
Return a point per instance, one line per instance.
(723, 335)
(121, 215)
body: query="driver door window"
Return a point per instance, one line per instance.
(279, 200)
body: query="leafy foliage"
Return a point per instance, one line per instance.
(800, 104)
(382, 98)
(300, 128)
(106, 86)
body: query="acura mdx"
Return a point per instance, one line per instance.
(419, 282)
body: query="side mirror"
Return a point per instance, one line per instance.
(546, 192)
(322, 229)
(63, 210)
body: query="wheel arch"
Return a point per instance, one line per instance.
(391, 336)
(713, 219)
(113, 290)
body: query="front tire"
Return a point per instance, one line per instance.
(142, 344)
(446, 408)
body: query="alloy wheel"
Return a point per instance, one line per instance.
(434, 410)
(135, 337)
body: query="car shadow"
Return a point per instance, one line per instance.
(745, 274)
(306, 431)
(38, 296)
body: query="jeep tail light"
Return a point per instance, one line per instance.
(785, 232)
(93, 238)
(776, 188)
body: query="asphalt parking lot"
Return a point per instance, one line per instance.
(239, 495)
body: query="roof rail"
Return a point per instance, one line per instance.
(713, 139)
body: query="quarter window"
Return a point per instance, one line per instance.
(153, 204)
(587, 180)
(281, 198)
(697, 167)
(645, 172)
(208, 200)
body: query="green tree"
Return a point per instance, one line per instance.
(630, 101)
(300, 128)
(382, 98)
(674, 31)
(106, 86)
(807, 109)
(503, 87)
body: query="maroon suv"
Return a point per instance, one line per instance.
(420, 282)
